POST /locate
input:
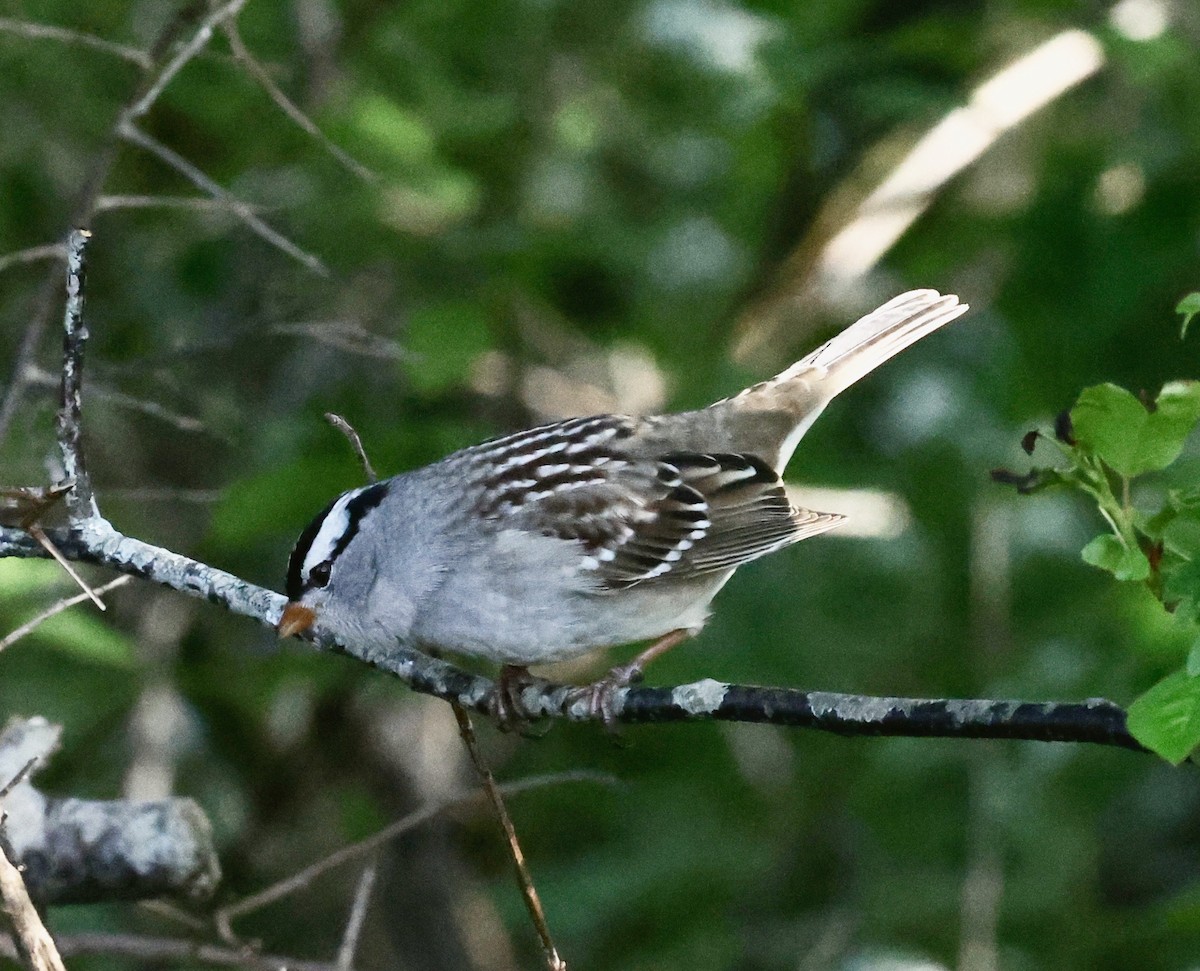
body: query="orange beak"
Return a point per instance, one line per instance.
(296, 619)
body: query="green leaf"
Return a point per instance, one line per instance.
(1166, 719)
(1109, 553)
(1112, 424)
(1182, 535)
(1182, 582)
(1188, 307)
(1177, 410)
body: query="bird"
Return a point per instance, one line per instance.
(584, 533)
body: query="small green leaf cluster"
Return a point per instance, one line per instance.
(1112, 440)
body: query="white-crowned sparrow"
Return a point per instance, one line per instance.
(583, 533)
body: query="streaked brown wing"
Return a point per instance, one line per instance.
(639, 519)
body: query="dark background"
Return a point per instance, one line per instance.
(618, 206)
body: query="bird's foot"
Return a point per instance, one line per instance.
(601, 696)
(506, 707)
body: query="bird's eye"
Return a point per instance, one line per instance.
(319, 575)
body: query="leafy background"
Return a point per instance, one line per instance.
(577, 206)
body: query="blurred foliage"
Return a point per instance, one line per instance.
(573, 205)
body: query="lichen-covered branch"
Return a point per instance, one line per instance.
(87, 851)
(1097, 721)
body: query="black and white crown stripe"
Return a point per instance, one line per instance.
(327, 535)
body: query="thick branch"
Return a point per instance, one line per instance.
(87, 851)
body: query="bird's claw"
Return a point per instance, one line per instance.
(506, 707)
(601, 696)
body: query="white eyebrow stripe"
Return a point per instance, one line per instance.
(333, 528)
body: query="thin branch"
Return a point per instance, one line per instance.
(22, 774)
(189, 50)
(29, 626)
(108, 203)
(39, 534)
(343, 426)
(81, 215)
(245, 212)
(298, 881)
(51, 251)
(533, 902)
(33, 943)
(36, 31)
(81, 504)
(172, 952)
(1096, 721)
(184, 423)
(349, 336)
(358, 914)
(285, 104)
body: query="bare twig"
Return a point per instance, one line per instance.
(32, 941)
(21, 776)
(24, 508)
(36, 31)
(285, 104)
(358, 914)
(51, 251)
(39, 534)
(298, 881)
(173, 952)
(533, 902)
(245, 212)
(343, 426)
(168, 911)
(1096, 721)
(185, 53)
(348, 335)
(184, 423)
(81, 215)
(109, 203)
(9, 639)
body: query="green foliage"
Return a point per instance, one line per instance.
(1167, 717)
(1110, 553)
(1112, 442)
(583, 206)
(1130, 438)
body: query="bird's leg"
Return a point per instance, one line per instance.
(634, 671)
(507, 708)
(600, 694)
